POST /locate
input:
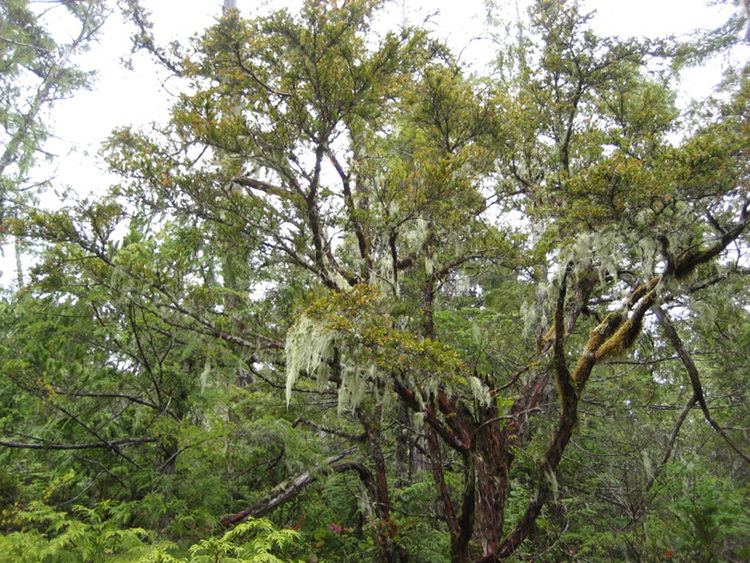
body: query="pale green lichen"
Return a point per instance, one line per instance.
(382, 275)
(341, 282)
(534, 313)
(352, 388)
(417, 234)
(205, 374)
(480, 391)
(418, 419)
(307, 344)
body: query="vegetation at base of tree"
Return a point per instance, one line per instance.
(353, 302)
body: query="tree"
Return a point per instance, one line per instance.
(37, 71)
(338, 213)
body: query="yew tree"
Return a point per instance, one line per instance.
(455, 258)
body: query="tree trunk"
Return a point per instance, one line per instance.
(460, 529)
(403, 446)
(390, 551)
(491, 465)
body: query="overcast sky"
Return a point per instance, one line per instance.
(137, 97)
(122, 97)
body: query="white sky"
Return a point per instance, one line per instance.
(122, 97)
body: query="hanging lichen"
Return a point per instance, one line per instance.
(480, 392)
(205, 374)
(307, 343)
(382, 275)
(417, 233)
(534, 313)
(649, 254)
(418, 420)
(354, 383)
(608, 251)
(553, 484)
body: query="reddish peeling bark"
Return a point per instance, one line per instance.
(490, 462)
(390, 551)
(460, 529)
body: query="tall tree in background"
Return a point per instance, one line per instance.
(422, 261)
(37, 70)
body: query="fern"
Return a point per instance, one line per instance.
(256, 541)
(49, 535)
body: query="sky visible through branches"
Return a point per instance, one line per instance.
(144, 93)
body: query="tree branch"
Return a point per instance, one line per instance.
(90, 446)
(290, 488)
(692, 371)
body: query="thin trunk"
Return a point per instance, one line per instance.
(169, 449)
(419, 460)
(428, 305)
(19, 262)
(695, 381)
(491, 465)
(390, 550)
(456, 527)
(403, 447)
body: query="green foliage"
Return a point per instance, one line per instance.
(97, 534)
(46, 534)
(256, 540)
(411, 256)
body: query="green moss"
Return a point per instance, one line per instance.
(621, 340)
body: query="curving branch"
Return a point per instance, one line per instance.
(612, 336)
(90, 446)
(292, 487)
(671, 442)
(692, 370)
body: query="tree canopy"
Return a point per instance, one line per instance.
(354, 302)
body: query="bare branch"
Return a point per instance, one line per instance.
(89, 446)
(694, 376)
(290, 488)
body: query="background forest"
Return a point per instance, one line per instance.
(353, 302)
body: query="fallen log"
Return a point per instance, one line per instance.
(290, 488)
